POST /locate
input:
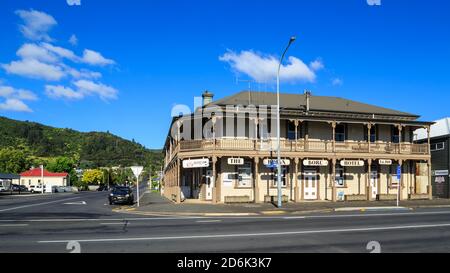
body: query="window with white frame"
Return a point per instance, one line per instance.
(437, 146)
(245, 175)
(340, 176)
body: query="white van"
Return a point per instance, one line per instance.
(37, 189)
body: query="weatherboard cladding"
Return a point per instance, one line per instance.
(298, 101)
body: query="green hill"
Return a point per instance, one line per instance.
(90, 150)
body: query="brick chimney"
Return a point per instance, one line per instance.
(207, 97)
(308, 99)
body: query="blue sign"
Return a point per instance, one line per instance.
(399, 172)
(272, 165)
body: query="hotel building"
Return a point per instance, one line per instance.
(332, 149)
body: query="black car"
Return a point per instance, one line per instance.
(19, 188)
(121, 195)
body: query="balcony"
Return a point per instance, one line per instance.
(311, 146)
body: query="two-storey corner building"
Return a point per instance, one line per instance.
(332, 149)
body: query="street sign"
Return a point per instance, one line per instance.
(399, 172)
(137, 170)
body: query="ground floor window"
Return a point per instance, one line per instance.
(245, 175)
(284, 174)
(340, 176)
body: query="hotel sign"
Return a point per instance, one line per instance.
(352, 163)
(312, 162)
(272, 162)
(385, 162)
(196, 163)
(235, 161)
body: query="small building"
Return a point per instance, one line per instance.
(36, 177)
(7, 179)
(440, 155)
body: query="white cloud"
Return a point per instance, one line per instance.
(33, 51)
(316, 65)
(61, 52)
(264, 68)
(337, 82)
(32, 68)
(36, 24)
(105, 92)
(14, 105)
(95, 58)
(61, 92)
(13, 99)
(74, 2)
(73, 40)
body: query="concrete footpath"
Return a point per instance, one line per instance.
(153, 204)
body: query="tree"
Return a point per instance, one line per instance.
(92, 177)
(13, 161)
(61, 164)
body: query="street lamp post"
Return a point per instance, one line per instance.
(280, 201)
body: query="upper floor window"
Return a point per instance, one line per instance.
(437, 146)
(340, 132)
(395, 132)
(373, 134)
(291, 131)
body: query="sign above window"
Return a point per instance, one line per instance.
(352, 163)
(196, 163)
(273, 162)
(385, 162)
(313, 162)
(235, 161)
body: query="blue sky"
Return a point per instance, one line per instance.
(129, 62)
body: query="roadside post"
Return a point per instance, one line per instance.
(137, 170)
(42, 178)
(399, 185)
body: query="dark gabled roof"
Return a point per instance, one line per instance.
(9, 176)
(317, 103)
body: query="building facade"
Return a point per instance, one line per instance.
(332, 149)
(35, 177)
(440, 156)
(7, 180)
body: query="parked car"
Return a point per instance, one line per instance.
(37, 189)
(19, 188)
(121, 195)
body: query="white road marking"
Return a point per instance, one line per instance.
(230, 217)
(110, 224)
(76, 203)
(39, 204)
(15, 225)
(218, 236)
(209, 221)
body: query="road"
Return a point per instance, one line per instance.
(44, 224)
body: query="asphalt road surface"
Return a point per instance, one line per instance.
(85, 222)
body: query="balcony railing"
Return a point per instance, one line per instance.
(319, 146)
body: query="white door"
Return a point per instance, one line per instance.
(310, 185)
(374, 183)
(209, 185)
